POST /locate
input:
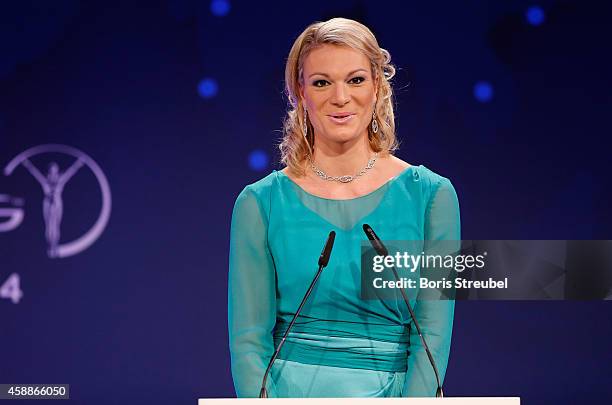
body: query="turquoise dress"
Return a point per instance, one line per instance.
(341, 345)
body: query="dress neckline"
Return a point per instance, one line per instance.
(375, 191)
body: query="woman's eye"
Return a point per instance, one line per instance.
(322, 83)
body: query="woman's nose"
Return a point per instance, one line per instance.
(340, 95)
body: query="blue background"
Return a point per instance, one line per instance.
(181, 103)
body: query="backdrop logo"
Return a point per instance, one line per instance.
(14, 214)
(53, 183)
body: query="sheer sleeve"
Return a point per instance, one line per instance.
(251, 295)
(435, 316)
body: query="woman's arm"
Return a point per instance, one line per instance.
(251, 296)
(435, 316)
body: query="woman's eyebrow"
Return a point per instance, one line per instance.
(326, 75)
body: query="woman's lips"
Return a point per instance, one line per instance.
(341, 118)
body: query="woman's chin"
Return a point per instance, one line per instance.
(342, 136)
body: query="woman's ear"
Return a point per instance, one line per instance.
(376, 79)
(301, 94)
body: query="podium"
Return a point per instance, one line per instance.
(363, 401)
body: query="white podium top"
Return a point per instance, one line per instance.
(363, 401)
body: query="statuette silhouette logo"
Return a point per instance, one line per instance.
(53, 181)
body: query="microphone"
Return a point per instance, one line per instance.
(323, 260)
(382, 251)
(326, 253)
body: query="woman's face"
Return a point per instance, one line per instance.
(338, 92)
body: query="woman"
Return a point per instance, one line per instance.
(339, 139)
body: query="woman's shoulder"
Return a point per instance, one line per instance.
(258, 190)
(429, 180)
(264, 184)
(433, 178)
(438, 190)
(419, 172)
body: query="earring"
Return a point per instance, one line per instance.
(305, 126)
(374, 123)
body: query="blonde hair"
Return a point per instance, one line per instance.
(294, 147)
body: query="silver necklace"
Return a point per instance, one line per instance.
(345, 178)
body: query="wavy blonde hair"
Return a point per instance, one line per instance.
(295, 147)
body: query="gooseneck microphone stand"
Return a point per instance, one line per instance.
(382, 251)
(323, 260)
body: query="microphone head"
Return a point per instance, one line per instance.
(369, 232)
(375, 240)
(326, 253)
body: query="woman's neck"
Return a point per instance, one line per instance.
(342, 159)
